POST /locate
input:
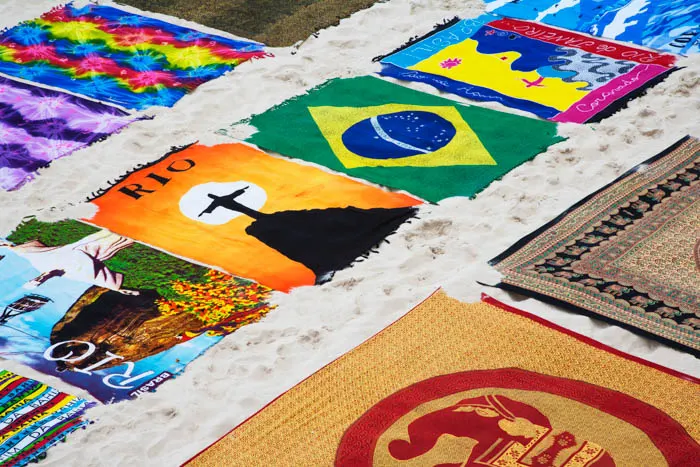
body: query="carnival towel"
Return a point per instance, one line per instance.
(555, 74)
(277, 222)
(454, 384)
(40, 125)
(278, 24)
(118, 57)
(626, 253)
(109, 315)
(34, 417)
(431, 147)
(668, 25)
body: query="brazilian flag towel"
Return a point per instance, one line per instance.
(408, 140)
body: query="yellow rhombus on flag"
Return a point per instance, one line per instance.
(464, 148)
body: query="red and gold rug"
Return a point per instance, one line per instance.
(483, 384)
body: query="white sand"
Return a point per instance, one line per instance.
(449, 246)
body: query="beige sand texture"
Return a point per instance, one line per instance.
(448, 246)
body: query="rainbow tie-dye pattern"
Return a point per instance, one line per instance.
(118, 57)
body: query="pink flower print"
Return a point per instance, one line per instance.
(12, 95)
(451, 63)
(131, 38)
(44, 107)
(95, 63)
(97, 122)
(11, 179)
(151, 78)
(51, 149)
(37, 52)
(58, 15)
(11, 134)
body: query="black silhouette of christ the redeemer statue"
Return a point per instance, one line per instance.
(229, 202)
(324, 240)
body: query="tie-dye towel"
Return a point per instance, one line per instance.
(110, 315)
(555, 74)
(668, 25)
(118, 57)
(40, 125)
(34, 417)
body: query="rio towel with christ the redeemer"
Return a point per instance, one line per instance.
(267, 219)
(555, 74)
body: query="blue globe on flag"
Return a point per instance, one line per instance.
(399, 134)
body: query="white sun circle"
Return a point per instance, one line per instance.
(195, 202)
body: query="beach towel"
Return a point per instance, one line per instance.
(278, 24)
(627, 253)
(33, 418)
(481, 384)
(668, 25)
(431, 147)
(109, 315)
(118, 57)
(231, 206)
(40, 125)
(553, 73)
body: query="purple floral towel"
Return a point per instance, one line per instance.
(39, 125)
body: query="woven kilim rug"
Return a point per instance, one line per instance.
(400, 138)
(34, 417)
(669, 25)
(118, 57)
(277, 23)
(268, 219)
(454, 384)
(627, 253)
(40, 125)
(555, 74)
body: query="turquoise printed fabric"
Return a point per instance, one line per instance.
(668, 25)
